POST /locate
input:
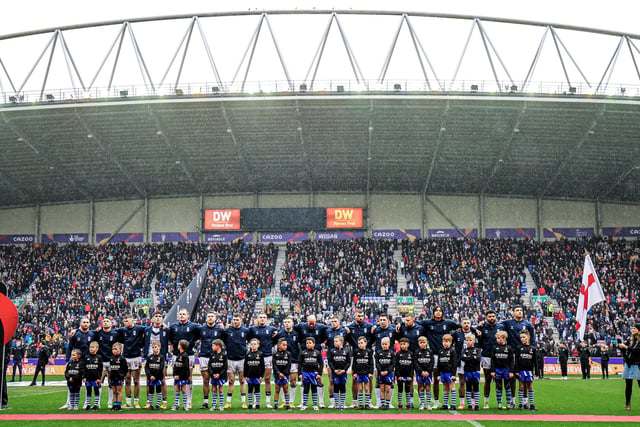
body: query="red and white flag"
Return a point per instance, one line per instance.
(590, 294)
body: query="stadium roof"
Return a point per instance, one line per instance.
(346, 101)
(505, 145)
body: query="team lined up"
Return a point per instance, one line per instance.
(431, 351)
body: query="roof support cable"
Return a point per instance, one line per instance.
(387, 60)
(280, 57)
(357, 72)
(250, 47)
(318, 55)
(534, 62)
(51, 40)
(46, 73)
(464, 50)
(487, 40)
(610, 66)
(71, 64)
(418, 45)
(214, 68)
(556, 40)
(104, 61)
(175, 54)
(633, 47)
(143, 66)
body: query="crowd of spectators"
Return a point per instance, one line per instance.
(70, 281)
(557, 269)
(177, 264)
(465, 276)
(338, 276)
(239, 275)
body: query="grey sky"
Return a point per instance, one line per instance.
(29, 15)
(620, 15)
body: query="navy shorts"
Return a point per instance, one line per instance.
(310, 378)
(385, 379)
(422, 380)
(362, 378)
(447, 377)
(526, 376)
(281, 381)
(472, 377)
(339, 379)
(217, 381)
(502, 373)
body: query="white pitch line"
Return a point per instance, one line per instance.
(39, 393)
(474, 423)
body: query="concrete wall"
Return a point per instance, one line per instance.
(383, 211)
(17, 221)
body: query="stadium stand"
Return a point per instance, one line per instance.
(339, 276)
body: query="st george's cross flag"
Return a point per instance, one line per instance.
(590, 294)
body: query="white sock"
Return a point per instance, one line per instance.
(378, 395)
(293, 390)
(321, 396)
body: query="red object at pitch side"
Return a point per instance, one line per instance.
(8, 317)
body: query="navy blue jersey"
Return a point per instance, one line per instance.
(405, 363)
(471, 358)
(385, 360)
(154, 367)
(513, 328)
(133, 340)
(436, 329)
(264, 334)
(525, 358)
(184, 331)
(118, 368)
(181, 366)
(318, 332)
(161, 334)
(74, 372)
(254, 365)
(412, 333)
(93, 367)
(423, 360)
(105, 340)
(311, 361)
(502, 357)
(207, 335)
(362, 361)
(360, 330)
(379, 333)
(488, 338)
(338, 359)
(332, 333)
(235, 340)
(293, 343)
(447, 360)
(80, 340)
(282, 363)
(461, 342)
(218, 365)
